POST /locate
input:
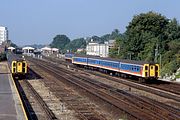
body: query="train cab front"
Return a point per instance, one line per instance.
(19, 68)
(151, 71)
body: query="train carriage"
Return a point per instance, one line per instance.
(102, 63)
(68, 56)
(141, 69)
(79, 60)
(131, 69)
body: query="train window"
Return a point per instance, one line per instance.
(137, 69)
(23, 64)
(14, 64)
(145, 74)
(23, 70)
(156, 67)
(115, 65)
(132, 68)
(156, 74)
(146, 67)
(151, 67)
(122, 66)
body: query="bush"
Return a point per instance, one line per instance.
(3, 57)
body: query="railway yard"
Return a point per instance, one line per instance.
(56, 89)
(89, 60)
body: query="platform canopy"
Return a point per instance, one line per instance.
(46, 49)
(28, 48)
(55, 49)
(11, 48)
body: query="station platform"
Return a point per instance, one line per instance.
(11, 107)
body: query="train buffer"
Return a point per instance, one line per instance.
(11, 107)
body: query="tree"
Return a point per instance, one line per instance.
(173, 30)
(119, 49)
(60, 41)
(75, 44)
(97, 39)
(106, 37)
(115, 33)
(146, 28)
(149, 36)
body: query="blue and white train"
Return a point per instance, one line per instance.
(122, 67)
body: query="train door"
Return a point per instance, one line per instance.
(19, 67)
(152, 71)
(157, 70)
(24, 67)
(146, 70)
(13, 67)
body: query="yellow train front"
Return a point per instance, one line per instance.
(151, 71)
(17, 65)
(19, 68)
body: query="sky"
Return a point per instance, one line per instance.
(39, 21)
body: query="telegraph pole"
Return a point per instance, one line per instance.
(156, 54)
(119, 50)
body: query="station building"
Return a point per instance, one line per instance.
(11, 49)
(28, 51)
(49, 51)
(55, 50)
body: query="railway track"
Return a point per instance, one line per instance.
(160, 91)
(84, 110)
(166, 86)
(159, 84)
(49, 114)
(161, 88)
(137, 107)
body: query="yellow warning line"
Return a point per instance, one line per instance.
(19, 99)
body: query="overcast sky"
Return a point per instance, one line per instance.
(38, 21)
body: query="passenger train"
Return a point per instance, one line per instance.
(17, 65)
(68, 56)
(121, 67)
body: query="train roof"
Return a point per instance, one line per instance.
(116, 59)
(69, 54)
(12, 56)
